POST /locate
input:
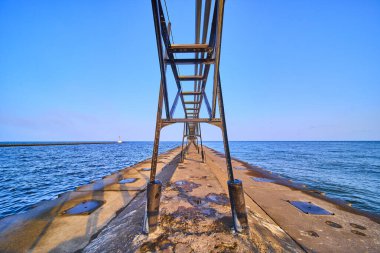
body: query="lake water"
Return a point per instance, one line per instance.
(34, 173)
(345, 170)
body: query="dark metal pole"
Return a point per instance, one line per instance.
(195, 141)
(200, 137)
(157, 135)
(152, 206)
(235, 186)
(204, 38)
(183, 139)
(224, 131)
(198, 10)
(166, 40)
(217, 52)
(187, 138)
(154, 186)
(160, 56)
(210, 53)
(197, 134)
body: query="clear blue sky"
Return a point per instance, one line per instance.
(88, 70)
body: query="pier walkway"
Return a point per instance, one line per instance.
(195, 214)
(49, 228)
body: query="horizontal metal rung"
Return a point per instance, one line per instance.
(192, 102)
(189, 48)
(190, 78)
(191, 93)
(192, 109)
(192, 120)
(189, 61)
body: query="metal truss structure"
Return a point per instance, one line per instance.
(203, 55)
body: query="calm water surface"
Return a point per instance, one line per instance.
(31, 174)
(345, 170)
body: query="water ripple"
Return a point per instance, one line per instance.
(35, 173)
(344, 170)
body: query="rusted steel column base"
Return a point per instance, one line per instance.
(239, 212)
(152, 206)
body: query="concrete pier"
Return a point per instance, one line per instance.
(194, 214)
(46, 228)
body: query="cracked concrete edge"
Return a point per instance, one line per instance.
(30, 231)
(264, 231)
(127, 225)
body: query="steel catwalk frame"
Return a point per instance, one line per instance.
(205, 55)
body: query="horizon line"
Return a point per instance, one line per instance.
(2, 141)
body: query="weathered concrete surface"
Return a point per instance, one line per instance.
(46, 229)
(195, 216)
(348, 230)
(191, 222)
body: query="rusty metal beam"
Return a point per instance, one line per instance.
(189, 61)
(191, 102)
(188, 48)
(181, 120)
(217, 53)
(160, 56)
(190, 78)
(166, 39)
(191, 93)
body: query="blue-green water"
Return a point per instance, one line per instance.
(345, 170)
(31, 174)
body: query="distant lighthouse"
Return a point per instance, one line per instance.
(119, 141)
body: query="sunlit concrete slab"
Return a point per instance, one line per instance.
(195, 216)
(314, 233)
(49, 228)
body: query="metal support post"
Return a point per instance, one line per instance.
(153, 206)
(235, 186)
(154, 186)
(217, 52)
(200, 137)
(183, 139)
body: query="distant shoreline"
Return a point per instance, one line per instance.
(63, 143)
(2, 145)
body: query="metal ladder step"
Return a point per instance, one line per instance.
(189, 48)
(185, 93)
(192, 102)
(189, 61)
(190, 78)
